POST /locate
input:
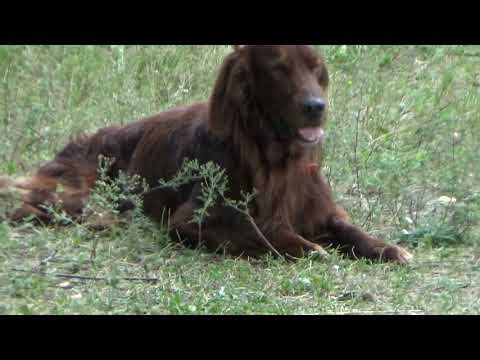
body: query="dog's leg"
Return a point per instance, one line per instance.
(50, 186)
(238, 238)
(290, 244)
(357, 243)
(26, 210)
(214, 233)
(26, 197)
(34, 203)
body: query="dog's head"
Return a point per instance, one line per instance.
(280, 89)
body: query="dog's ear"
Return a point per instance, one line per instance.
(230, 97)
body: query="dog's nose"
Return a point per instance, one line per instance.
(314, 107)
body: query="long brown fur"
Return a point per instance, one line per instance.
(253, 126)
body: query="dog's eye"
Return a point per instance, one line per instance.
(281, 68)
(322, 76)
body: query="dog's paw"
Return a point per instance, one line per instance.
(318, 253)
(396, 254)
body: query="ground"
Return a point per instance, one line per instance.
(401, 155)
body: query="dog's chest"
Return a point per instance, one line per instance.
(285, 197)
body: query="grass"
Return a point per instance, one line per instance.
(402, 157)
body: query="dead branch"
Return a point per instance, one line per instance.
(85, 278)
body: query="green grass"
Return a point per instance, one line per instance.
(403, 143)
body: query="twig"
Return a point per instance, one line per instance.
(400, 312)
(464, 53)
(78, 277)
(49, 258)
(258, 231)
(443, 262)
(163, 187)
(371, 210)
(357, 171)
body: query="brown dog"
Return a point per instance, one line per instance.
(264, 124)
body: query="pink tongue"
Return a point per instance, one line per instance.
(314, 134)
